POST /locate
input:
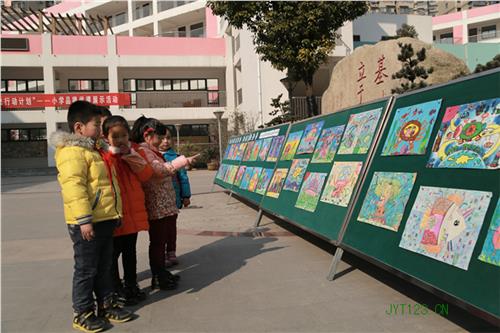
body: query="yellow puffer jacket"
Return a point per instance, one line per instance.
(88, 194)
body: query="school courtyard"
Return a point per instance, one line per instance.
(234, 278)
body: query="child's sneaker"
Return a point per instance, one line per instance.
(134, 294)
(88, 322)
(114, 312)
(172, 259)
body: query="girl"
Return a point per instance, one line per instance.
(148, 133)
(182, 197)
(118, 156)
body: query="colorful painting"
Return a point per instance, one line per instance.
(265, 178)
(469, 137)
(491, 248)
(411, 129)
(264, 149)
(311, 135)
(228, 149)
(341, 182)
(328, 144)
(255, 150)
(248, 151)
(310, 191)
(221, 171)
(232, 174)
(274, 151)
(297, 171)
(291, 146)
(247, 176)
(254, 180)
(276, 183)
(239, 176)
(241, 150)
(386, 199)
(444, 224)
(359, 132)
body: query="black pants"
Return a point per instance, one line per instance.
(125, 246)
(92, 270)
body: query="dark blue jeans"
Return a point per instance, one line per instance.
(93, 261)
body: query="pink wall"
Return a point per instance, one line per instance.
(447, 18)
(211, 23)
(486, 10)
(35, 42)
(170, 46)
(79, 45)
(458, 34)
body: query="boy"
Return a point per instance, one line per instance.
(182, 194)
(92, 209)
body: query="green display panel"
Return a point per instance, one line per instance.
(228, 160)
(440, 235)
(324, 218)
(255, 157)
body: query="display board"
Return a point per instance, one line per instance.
(230, 160)
(262, 149)
(427, 205)
(319, 168)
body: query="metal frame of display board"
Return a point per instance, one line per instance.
(420, 282)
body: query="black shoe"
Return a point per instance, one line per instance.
(134, 291)
(88, 322)
(173, 277)
(162, 282)
(114, 312)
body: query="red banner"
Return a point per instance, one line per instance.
(26, 101)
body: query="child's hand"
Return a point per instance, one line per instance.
(192, 159)
(87, 231)
(134, 160)
(186, 202)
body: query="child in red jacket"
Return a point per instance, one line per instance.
(131, 169)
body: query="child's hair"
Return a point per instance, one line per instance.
(113, 121)
(81, 111)
(144, 124)
(104, 111)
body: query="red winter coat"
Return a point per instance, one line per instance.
(135, 216)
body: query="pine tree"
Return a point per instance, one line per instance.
(410, 70)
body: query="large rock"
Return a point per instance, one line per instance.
(366, 74)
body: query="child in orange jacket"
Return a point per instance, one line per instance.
(131, 169)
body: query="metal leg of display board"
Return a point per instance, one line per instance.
(259, 218)
(335, 263)
(212, 189)
(229, 198)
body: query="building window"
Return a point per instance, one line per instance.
(99, 85)
(356, 38)
(163, 85)
(196, 30)
(4, 85)
(11, 85)
(240, 96)
(404, 10)
(38, 134)
(181, 32)
(145, 85)
(472, 35)
(88, 85)
(488, 32)
(193, 130)
(446, 38)
(120, 18)
(170, 84)
(129, 85)
(24, 134)
(22, 86)
(180, 84)
(197, 85)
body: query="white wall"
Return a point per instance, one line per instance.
(372, 27)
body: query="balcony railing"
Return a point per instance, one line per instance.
(484, 36)
(178, 99)
(195, 33)
(164, 5)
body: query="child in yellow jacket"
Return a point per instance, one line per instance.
(92, 209)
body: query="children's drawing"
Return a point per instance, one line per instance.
(246, 178)
(248, 151)
(266, 145)
(311, 135)
(265, 178)
(469, 137)
(240, 151)
(297, 171)
(359, 132)
(341, 182)
(254, 179)
(229, 149)
(221, 171)
(255, 150)
(232, 174)
(274, 151)
(277, 181)
(444, 224)
(328, 144)
(491, 247)
(386, 199)
(291, 146)
(411, 129)
(239, 175)
(310, 191)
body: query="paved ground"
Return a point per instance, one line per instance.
(233, 280)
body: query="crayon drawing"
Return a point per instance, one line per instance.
(297, 171)
(311, 135)
(411, 129)
(291, 146)
(341, 182)
(310, 191)
(239, 175)
(240, 151)
(276, 183)
(265, 178)
(232, 174)
(246, 178)
(469, 137)
(359, 132)
(328, 144)
(491, 248)
(386, 199)
(444, 224)
(255, 150)
(264, 149)
(254, 179)
(248, 151)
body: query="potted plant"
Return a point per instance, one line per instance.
(211, 155)
(187, 149)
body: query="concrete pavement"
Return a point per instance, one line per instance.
(233, 280)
